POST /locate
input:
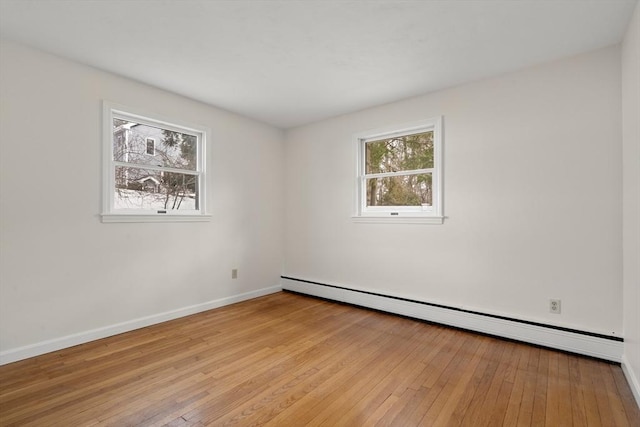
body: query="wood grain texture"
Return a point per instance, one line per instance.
(291, 360)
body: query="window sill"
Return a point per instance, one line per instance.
(154, 218)
(438, 220)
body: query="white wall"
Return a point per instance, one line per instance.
(532, 195)
(631, 199)
(64, 272)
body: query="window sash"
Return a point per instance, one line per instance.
(398, 173)
(417, 207)
(156, 168)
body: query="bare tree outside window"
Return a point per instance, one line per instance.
(156, 168)
(406, 156)
(399, 173)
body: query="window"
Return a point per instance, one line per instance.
(400, 174)
(154, 169)
(151, 146)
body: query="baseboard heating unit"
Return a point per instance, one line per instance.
(596, 345)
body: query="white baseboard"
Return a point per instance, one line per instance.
(632, 378)
(13, 355)
(547, 336)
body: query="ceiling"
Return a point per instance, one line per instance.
(290, 63)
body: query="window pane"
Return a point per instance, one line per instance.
(403, 190)
(134, 143)
(151, 146)
(409, 152)
(138, 188)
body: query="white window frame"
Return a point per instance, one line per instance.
(109, 213)
(400, 214)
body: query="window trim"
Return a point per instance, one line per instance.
(109, 214)
(400, 214)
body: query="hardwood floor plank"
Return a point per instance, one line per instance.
(552, 409)
(525, 414)
(539, 415)
(617, 408)
(349, 388)
(346, 352)
(602, 398)
(471, 397)
(482, 382)
(387, 357)
(291, 360)
(378, 414)
(514, 406)
(578, 404)
(381, 393)
(436, 386)
(592, 412)
(406, 398)
(449, 403)
(492, 399)
(564, 390)
(631, 409)
(509, 362)
(340, 378)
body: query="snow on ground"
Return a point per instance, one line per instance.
(135, 199)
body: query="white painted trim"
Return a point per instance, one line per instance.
(13, 355)
(548, 337)
(632, 378)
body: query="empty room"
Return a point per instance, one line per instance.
(319, 213)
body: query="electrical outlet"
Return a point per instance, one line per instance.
(555, 306)
(234, 273)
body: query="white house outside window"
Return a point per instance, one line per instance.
(154, 169)
(399, 174)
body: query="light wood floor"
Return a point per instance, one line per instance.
(291, 360)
